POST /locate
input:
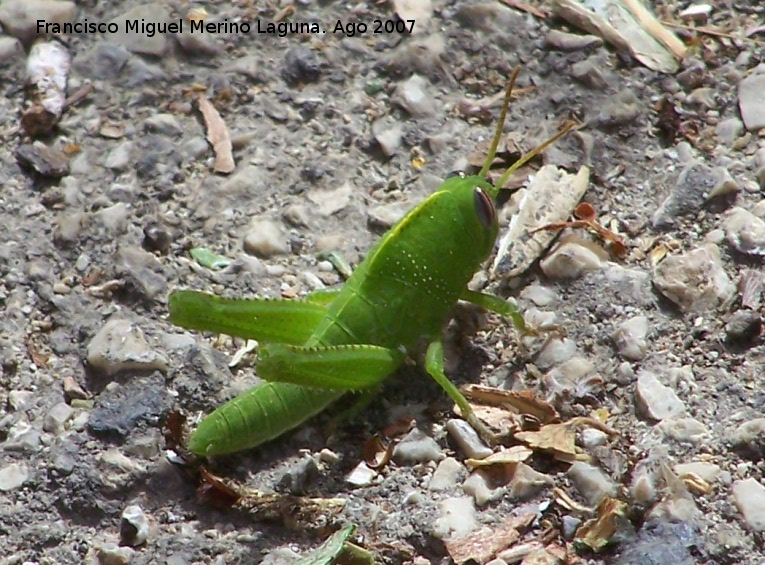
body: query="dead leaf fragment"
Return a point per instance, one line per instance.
(560, 439)
(218, 136)
(598, 532)
(521, 402)
(482, 545)
(510, 455)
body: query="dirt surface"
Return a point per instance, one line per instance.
(333, 141)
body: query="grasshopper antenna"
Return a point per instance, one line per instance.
(498, 133)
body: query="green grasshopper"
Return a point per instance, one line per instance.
(314, 350)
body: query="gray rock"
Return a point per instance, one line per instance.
(413, 96)
(57, 417)
(745, 232)
(729, 130)
(621, 109)
(751, 101)
(749, 497)
(114, 218)
(743, 327)
(630, 338)
(301, 66)
(11, 51)
(118, 158)
(134, 526)
(684, 430)
(389, 136)
(13, 476)
(164, 124)
(590, 73)
(655, 400)
(121, 407)
(141, 271)
(387, 215)
(591, 482)
(447, 475)
(121, 346)
(103, 61)
(660, 543)
(198, 44)
(694, 281)
(571, 41)
(417, 447)
(19, 17)
(457, 517)
(331, 201)
(695, 185)
(467, 439)
(749, 439)
(527, 482)
(139, 41)
(479, 486)
(43, 160)
(264, 238)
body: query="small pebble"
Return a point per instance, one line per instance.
(447, 475)
(265, 239)
(570, 41)
(748, 439)
(111, 554)
(57, 417)
(570, 259)
(684, 430)
(591, 482)
(12, 477)
(457, 518)
(387, 215)
(630, 338)
(743, 327)
(745, 232)
(478, 485)
(467, 439)
(120, 346)
(414, 96)
(749, 497)
(695, 281)
(527, 482)
(134, 526)
(751, 101)
(417, 447)
(655, 400)
(707, 471)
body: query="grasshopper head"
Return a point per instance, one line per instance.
(474, 197)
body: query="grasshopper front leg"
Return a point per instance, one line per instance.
(434, 365)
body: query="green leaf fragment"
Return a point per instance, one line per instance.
(338, 262)
(336, 545)
(208, 259)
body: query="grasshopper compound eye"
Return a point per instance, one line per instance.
(484, 207)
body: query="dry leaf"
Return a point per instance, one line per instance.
(218, 136)
(560, 439)
(597, 533)
(481, 545)
(510, 455)
(521, 402)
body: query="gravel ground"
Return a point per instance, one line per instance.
(335, 136)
